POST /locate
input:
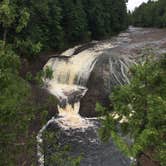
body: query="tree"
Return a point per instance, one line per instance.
(18, 110)
(105, 17)
(33, 27)
(45, 24)
(14, 116)
(139, 113)
(56, 32)
(150, 14)
(95, 15)
(11, 15)
(118, 15)
(74, 21)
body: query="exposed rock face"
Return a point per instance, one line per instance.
(98, 88)
(130, 48)
(110, 70)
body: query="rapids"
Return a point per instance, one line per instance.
(70, 76)
(71, 72)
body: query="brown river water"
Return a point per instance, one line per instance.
(71, 72)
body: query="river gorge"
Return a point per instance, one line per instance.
(84, 75)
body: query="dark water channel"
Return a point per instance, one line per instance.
(128, 49)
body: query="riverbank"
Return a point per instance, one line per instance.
(131, 45)
(128, 45)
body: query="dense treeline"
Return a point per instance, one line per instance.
(55, 24)
(151, 14)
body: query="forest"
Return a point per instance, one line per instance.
(150, 14)
(30, 29)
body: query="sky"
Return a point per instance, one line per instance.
(134, 3)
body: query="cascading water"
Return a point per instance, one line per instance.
(70, 75)
(71, 71)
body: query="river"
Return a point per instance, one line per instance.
(71, 73)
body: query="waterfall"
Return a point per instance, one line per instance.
(71, 71)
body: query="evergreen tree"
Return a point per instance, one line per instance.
(119, 15)
(139, 113)
(56, 24)
(74, 21)
(151, 14)
(56, 33)
(44, 28)
(95, 15)
(12, 15)
(15, 114)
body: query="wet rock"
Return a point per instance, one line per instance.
(87, 143)
(98, 88)
(131, 46)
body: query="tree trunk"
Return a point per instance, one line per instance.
(5, 36)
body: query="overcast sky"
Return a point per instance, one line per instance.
(134, 3)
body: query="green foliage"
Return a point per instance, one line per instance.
(33, 27)
(14, 116)
(95, 15)
(45, 24)
(105, 17)
(151, 14)
(74, 21)
(28, 48)
(44, 75)
(141, 110)
(18, 110)
(13, 17)
(7, 13)
(23, 20)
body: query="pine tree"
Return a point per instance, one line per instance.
(11, 15)
(95, 15)
(74, 21)
(56, 33)
(150, 14)
(139, 113)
